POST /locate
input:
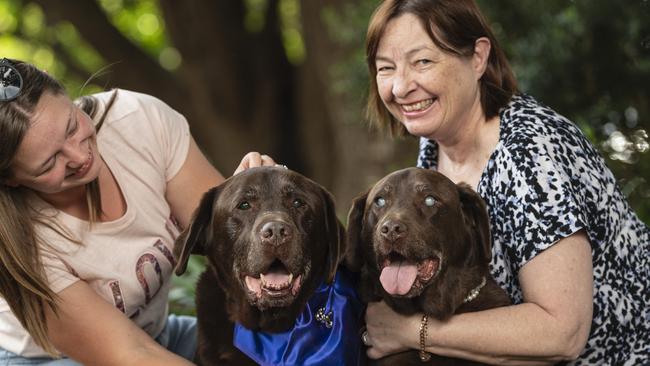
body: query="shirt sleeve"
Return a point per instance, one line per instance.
(58, 274)
(172, 134)
(542, 205)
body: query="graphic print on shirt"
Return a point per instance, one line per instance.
(151, 269)
(166, 252)
(118, 299)
(140, 271)
(174, 228)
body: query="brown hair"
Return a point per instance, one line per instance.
(23, 282)
(453, 26)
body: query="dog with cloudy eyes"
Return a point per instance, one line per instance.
(422, 244)
(271, 236)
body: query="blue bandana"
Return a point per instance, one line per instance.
(311, 342)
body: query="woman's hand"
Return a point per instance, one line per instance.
(252, 160)
(390, 332)
(548, 327)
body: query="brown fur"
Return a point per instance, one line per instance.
(456, 227)
(230, 235)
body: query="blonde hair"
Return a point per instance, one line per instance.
(23, 283)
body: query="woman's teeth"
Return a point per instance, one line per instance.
(421, 105)
(85, 166)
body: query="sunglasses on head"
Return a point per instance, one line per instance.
(10, 81)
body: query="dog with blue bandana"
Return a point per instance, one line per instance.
(274, 292)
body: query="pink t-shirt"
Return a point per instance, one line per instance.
(128, 261)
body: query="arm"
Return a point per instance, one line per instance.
(93, 332)
(552, 324)
(185, 189)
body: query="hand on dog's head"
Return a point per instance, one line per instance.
(270, 234)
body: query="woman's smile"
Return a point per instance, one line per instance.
(430, 91)
(417, 106)
(86, 165)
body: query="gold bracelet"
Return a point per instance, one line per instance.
(424, 355)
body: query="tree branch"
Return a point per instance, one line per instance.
(131, 67)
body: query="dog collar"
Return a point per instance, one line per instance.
(325, 333)
(475, 291)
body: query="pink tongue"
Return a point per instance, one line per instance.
(276, 279)
(398, 277)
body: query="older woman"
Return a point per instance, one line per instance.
(566, 246)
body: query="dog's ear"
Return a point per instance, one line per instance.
(476, 217)
(354, 254)
(335, 236)
(194, 239)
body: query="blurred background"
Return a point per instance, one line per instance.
(288, 77)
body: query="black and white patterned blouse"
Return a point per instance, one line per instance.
(544, 182)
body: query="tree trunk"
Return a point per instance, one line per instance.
(348, 155)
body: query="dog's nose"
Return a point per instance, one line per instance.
(393, 229)
(275, 232)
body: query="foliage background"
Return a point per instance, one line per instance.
(287, 77)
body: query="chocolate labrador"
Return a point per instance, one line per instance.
(422, 244)
(272, 239)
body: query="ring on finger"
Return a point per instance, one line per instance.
(364, 338)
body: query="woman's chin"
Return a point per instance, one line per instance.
(417, 128)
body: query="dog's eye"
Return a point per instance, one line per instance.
(380, 201)
(429, 201)
(244, 206)
(298, 203)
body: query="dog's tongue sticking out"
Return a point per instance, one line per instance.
(398, 277)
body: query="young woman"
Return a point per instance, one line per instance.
(92, 195)
(566, 246)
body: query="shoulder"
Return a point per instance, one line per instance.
(127, 97)
(532, 132)
(541, 158)
(527, 120)
(129, 102)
